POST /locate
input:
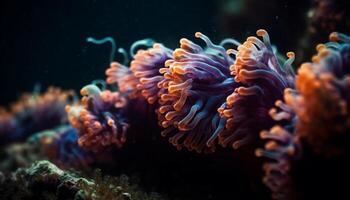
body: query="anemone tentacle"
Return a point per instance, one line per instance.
(145, 67)
(100, 118)
(123, 77)
(196, 82)
(261, 82)
(282, 149)
(315, 114)
(323, 103)
(143, 76)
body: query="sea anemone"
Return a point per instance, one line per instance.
(282, 149)
(261, 81)
(140, 80)
(35, 112)
(121, 76)
(145, 66)
(323, 102)
(315, 115)
(196, 82)
(329, 15)
(100, 118)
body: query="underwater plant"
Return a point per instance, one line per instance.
(316, 115)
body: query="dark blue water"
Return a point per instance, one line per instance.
(45, 42)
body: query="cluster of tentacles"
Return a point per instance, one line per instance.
(261, 80)
(196, 82)
(103, 118)
(100, 118)
(316, 115)
(207, 96)
(34, 112)
(202, 95)
(141, 79)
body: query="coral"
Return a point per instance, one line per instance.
(100, 121)
(33, 113)
(196, 82)
(261, 81)
(107, 187)
(44, 180)
(18, 155)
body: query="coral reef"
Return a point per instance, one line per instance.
(200, 98)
